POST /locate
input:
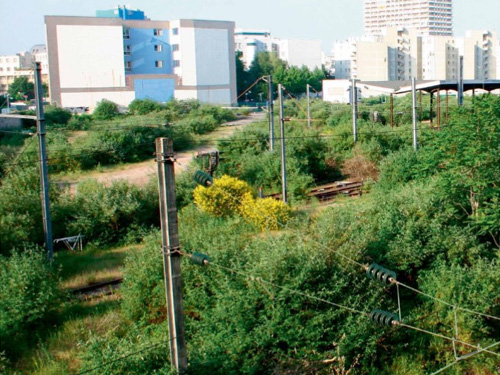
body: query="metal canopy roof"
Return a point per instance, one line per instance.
(403, 87)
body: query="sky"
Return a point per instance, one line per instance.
(22, 22)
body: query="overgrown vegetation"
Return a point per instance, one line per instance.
(288, 300)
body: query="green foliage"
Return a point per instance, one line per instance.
(22, 87)
(28, 293)
(293, 78)
(105, 110)
(144, 106)
(56, 116)
(20, 209)
(105, 214)
(80, 122)
(138, 352)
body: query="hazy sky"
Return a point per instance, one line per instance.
(22, 23)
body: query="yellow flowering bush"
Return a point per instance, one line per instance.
(267, 213)
(224, 198)
(230, 196)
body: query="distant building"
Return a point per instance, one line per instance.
(427, 17)
(440, 58)
(21, 65)
(479, 49)
(250, 42)
(294, 52)
(297, 52)
(124, 56)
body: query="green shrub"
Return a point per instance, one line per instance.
(105, 110)
(80, 122)
(144, 106)
(56, 116)
(106, 214)
(139, 352)
(28, 293)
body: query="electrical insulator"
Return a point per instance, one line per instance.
(383, 318)
(203, 178)
(199, 259)
(380, 274)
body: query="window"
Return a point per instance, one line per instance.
(126, 33)
(159, 63)
(158, 48)
(128, 65)
(157, 32)
(175, 31)
(176, 63)
(127, 49)
(175, 47)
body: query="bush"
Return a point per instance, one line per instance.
(28, 293)
(144, 106)
(224, 198)
(267, 213)
(105, 110)
(107, 214)
(55, 116)
(80, 122)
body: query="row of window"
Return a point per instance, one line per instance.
(157, 48)
(156, 32)
(158, 64)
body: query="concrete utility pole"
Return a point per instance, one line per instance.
(308, 107)
(354, 103)
(283, 155)
(414, 114)
(460, 95)
(271, 112)
(392, 110)
(171, 253)
(42, 151)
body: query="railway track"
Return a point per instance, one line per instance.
(97, 290)
(328, 192)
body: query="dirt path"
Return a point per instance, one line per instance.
(140, 173)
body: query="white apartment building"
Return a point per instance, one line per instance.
(21, 65)
(428, 17)
(297, 52)
(294, 52)
(118, 58)
(250, 42)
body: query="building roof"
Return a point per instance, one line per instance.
(403, 87)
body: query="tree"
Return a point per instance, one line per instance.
(22, 87)
(106, 110)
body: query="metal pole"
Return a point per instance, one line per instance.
(283, 154)
(438, 104)
(447, 107)
(42, 150)
(271, 113)
(414, 117)
(420, 109)
(392, 110)
(171, 253)
(461, 82)
(308, 107)
(431, 114)
(354, 111)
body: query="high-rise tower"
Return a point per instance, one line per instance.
(428, 17)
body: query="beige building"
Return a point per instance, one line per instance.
(479, 49)
(428, 17)
(440, 58)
